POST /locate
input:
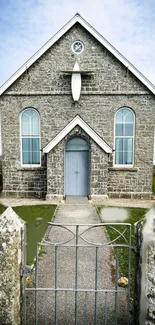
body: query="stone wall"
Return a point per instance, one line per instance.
(11, 263)
(98, 172)
(109, 75)
(133, 183)
(1, 182)
(55, 172)
(45, 87)
(25, 182)
(98, 167)
(145, 270)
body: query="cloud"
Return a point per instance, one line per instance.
(127, 24)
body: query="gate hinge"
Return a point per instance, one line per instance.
(134, 249)
(26, 270)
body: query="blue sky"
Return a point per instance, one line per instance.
(25, 25)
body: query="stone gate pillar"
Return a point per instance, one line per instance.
(11, 260)
(145, 270)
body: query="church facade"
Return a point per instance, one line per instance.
(77, 119)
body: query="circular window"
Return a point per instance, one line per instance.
(77, 47)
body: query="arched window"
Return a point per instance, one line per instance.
(124, 136)
(30, 133)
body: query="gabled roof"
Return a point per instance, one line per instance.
(77, 120)
(60, 33)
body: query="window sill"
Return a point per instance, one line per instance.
(123, 169)
(29, 168)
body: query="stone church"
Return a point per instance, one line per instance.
(77, 119)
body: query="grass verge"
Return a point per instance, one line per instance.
(135, 214)
(153, 185)
(2, 208)
(36, 217)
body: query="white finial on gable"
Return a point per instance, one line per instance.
(76, 82)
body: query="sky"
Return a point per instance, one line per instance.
(25, 25)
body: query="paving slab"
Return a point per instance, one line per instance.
(71, 199)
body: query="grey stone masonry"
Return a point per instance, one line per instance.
(11, 259)
(98, 167)
(45, 87)
(130, 183)
(0, 173)
(145, 270)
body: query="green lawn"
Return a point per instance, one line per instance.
(35, 228)
(135, 214)
(2, 208)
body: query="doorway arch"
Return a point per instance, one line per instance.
(77, 167)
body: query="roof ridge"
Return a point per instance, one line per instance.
(77, 18)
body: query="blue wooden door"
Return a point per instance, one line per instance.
(77, 168)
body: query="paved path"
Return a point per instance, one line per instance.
(76, 214)
(110, 202)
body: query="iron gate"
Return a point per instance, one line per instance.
(75, 277)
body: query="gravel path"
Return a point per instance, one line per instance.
(76, 214)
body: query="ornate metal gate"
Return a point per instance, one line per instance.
(76, 278)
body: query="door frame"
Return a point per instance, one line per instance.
(89, 159)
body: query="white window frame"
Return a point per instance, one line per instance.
(21, 137)
(124, 165)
